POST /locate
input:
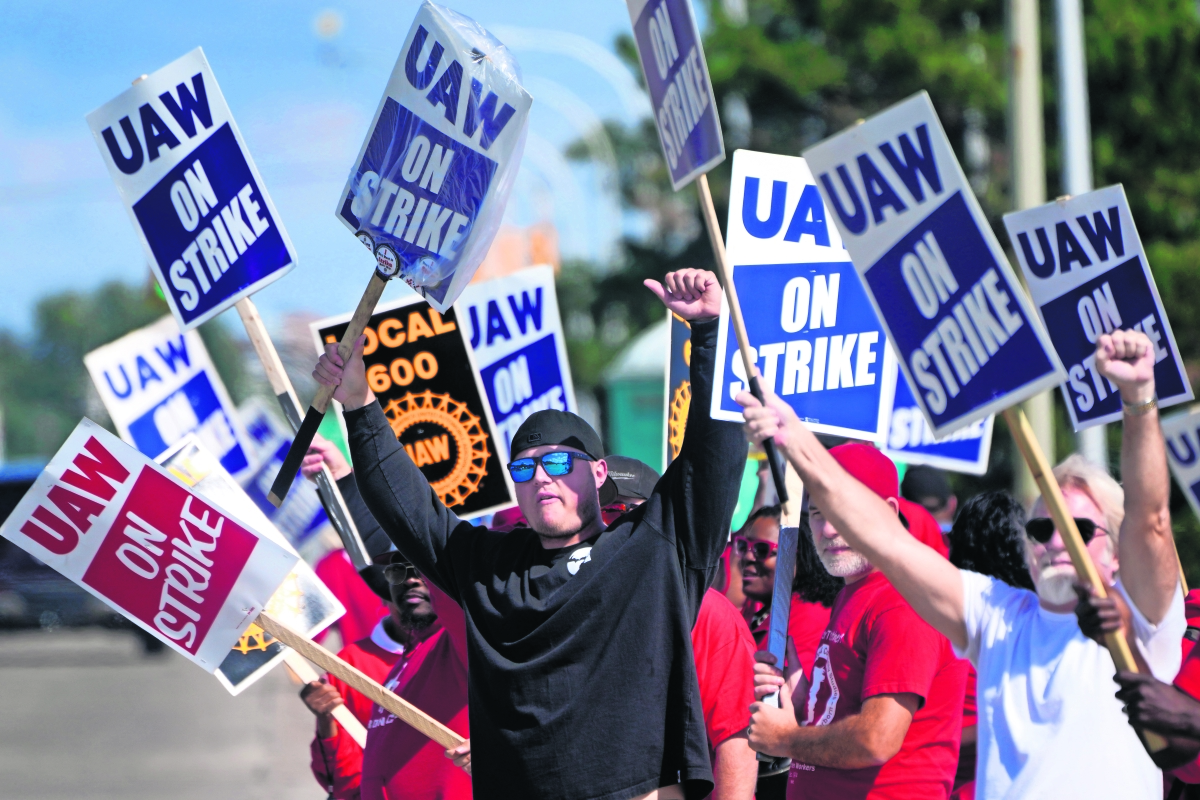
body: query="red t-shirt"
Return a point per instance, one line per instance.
(399, 762)
(806, 622)
(876, 644)
(363, 607)
(1188, 680)
(337, 761)
(724, 652)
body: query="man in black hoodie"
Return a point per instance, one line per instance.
(582, 681)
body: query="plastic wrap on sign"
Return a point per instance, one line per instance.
(428, 190)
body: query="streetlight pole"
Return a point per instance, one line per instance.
(1073, 115)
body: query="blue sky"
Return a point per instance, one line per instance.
(303, 104)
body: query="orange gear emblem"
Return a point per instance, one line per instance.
(465, 430)
(255, 638)
(681, 401)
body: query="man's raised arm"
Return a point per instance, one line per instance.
(395, 491)
(1145, 550)
(931, 584)
(700, 487)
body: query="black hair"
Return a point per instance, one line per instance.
(774, 512)
(812, 582)
(988, 537)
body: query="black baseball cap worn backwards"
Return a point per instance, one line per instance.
(551, 426)
(634, 478)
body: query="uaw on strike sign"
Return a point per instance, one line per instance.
(158, 385)
(517, 336)
(962, 326)
(120, 526)
(685, 109)
(421, 368)
(1086, 269)
(428, 189)
(211, 233)
(816, 339)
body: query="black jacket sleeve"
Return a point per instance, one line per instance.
(697, 494)
(400, 498)
(373, 538)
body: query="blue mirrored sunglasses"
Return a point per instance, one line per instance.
(556, 464)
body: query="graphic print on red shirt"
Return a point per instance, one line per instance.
(876, 644)
(1188, 681)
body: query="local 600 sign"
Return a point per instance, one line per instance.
(211, 233)
(962, 326)
(1087, 272)
(817, 341)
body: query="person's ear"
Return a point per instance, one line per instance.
(894, 504)
(952, 504)
(600, 471)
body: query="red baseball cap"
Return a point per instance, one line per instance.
(875, 470)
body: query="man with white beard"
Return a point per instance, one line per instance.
(1049, 725)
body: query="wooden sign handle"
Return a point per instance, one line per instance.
(281, 385)
(1081, 559)
(711, 223)
(344, 716)
(316, 412)
(404, 710)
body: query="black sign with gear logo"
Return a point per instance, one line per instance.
(679, 385)
(420, 366)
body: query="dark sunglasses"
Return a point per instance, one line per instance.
(762, 550)
(556, 464)
(1040, 529)
(398, 574)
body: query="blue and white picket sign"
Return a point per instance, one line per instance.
(1087, 272)
(818, 342)
(301, 516)
(211, 233)
(962, 326)
(681, 94)
(909, 439)
(516, 333)
(428, 189)
(158, 385)
(1182, 434)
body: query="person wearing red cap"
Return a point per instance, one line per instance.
(1048, 724)
(884, 705)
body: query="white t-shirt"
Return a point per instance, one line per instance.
(1050, 725)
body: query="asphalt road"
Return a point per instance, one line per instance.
(83, 714)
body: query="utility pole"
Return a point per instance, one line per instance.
(1027, 139)
(1074, 121)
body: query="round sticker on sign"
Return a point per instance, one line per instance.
(388, 263)
(578, 559)
(366, 239)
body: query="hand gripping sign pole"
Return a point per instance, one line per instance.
(406, 711)
(281, 385)
(1081, 559)
(316, 411)
(344, 716)
(427, 192)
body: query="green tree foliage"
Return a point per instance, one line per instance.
(44, 386)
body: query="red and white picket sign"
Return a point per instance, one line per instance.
(120, 526)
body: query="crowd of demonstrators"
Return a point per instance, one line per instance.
(1049, 724)
(881, 715)
(577, 632)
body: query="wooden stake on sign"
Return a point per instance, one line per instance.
(344, 716)
(1081, 559)
(785, 575)
(281, 385)
(709, 212)
(316, 412)
(404, 710)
